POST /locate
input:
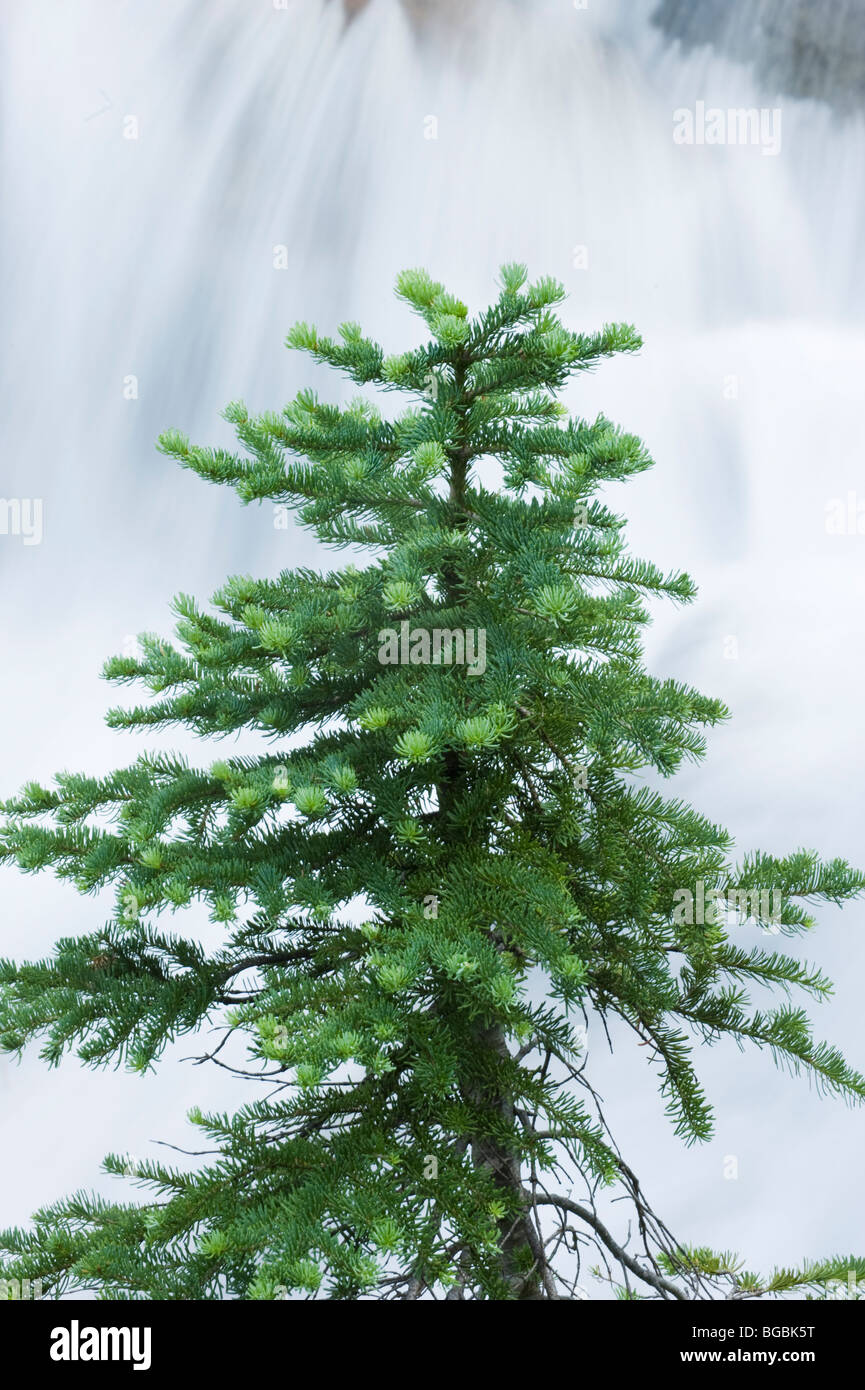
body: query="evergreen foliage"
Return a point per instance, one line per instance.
(435, 877)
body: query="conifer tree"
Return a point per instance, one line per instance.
(454, 855)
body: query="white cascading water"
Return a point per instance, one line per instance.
(184, 181)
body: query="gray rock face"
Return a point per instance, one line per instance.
(798, 47)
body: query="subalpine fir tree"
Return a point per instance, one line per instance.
(447, 865)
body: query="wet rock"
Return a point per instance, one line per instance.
(796, 47)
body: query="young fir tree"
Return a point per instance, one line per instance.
(428, 1109)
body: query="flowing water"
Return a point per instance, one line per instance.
(183, 181)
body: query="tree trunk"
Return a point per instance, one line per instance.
(518, 1238)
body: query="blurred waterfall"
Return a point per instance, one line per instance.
(182, 181)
